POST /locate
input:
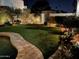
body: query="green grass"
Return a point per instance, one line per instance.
(40, 37)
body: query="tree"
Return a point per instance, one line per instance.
(4, 17)
(6, 14)
(18, 12)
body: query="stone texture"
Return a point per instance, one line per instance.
(25, 49)
(56, 55)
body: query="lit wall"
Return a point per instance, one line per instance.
(12, 3)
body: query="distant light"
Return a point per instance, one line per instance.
(25, 7)
(77, 12)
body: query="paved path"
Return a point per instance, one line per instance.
(25, 49)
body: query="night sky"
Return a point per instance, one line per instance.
(65, 5)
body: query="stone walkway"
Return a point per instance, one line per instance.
(25, 49)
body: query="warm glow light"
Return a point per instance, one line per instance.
(4, 18)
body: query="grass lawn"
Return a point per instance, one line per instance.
(44, 38)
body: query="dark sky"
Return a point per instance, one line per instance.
(25, 2)
(65, 5)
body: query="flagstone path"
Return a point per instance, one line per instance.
(25, 49)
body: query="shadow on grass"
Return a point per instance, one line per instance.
(49, 29)
(7, 51)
